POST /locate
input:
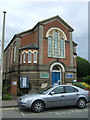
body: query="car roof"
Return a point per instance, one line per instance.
(61, 85)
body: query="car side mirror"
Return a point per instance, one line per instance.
(52, 93)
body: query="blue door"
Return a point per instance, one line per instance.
(55, 77)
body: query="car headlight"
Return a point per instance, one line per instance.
(24, 99)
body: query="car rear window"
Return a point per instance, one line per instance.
(70, 89)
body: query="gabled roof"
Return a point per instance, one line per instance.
(40, 23)
(44, 22)
(30, 46)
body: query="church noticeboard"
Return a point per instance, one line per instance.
(44, 75)
(24, 82)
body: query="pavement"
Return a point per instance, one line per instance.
(8, 103)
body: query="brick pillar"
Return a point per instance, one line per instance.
(14, 87)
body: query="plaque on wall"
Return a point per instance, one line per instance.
(44, 75)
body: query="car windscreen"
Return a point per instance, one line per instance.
(45, 90)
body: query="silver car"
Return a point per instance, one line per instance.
(55, 96)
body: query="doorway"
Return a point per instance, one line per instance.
(56, 75)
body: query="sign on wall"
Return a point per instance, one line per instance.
(44, 75)
(24, 82)
(69, 75)
(14, 83)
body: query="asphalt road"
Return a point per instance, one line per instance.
(64, 112)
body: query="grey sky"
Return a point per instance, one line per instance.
(24, 14)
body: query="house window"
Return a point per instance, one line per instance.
(29, 57)
(35, 56)
(24, 57)
(56, 43)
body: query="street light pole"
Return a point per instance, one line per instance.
(2, 49)
(3, 37)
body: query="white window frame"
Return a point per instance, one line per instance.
(24, 57)
(35, 57)
(48, 34)
(30, 61)
(20, 57)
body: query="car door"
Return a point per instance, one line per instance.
(56, 99)
(70, 96)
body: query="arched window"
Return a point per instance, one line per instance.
(20, 57)
(29, 57)
(56, 43)
(24, 57)
(35, 56)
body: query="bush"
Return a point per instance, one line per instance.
(79, 84)
(6, 97)
(86, 79)
(82, 85)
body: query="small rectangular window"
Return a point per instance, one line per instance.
(35, 57)
(24, 57)
(29, 57)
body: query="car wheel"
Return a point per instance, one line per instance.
(38, 106)
(81, 103)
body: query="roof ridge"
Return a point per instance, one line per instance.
(45, 20)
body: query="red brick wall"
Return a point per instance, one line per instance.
(32, 63)
(28, 39)
(57, 24)
(33, 38)
(13, 87)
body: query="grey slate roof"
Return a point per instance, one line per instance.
(30, 46)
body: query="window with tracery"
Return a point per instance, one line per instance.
(56, 44)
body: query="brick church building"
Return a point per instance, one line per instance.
(44, 54)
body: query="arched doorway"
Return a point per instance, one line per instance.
(57, 70)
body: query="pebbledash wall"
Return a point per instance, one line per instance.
(44, 54)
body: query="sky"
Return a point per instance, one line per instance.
(23, 15)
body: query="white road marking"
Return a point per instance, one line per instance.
(22, 113)
(63, 113)
(57, 113)
(50, 112)
(85, 109)
(68, 112)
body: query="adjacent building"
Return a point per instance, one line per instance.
(44, 54)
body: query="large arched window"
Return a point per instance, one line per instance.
(56, 43)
